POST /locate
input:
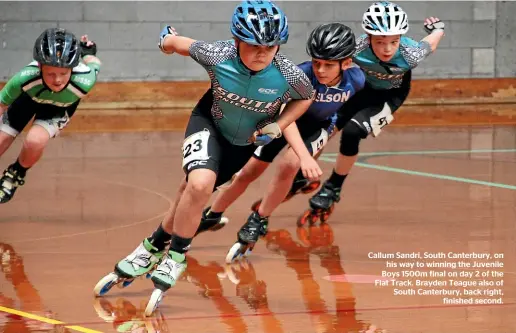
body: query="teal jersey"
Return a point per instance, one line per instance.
(29, 81)
(244, 101)
(387, 75)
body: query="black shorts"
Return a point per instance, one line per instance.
(368, 110)
(52, 118)
(315, 138)
(205, 147)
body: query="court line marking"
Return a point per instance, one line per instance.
(160, 215)
(46, 320)
(329, 158)
(326, 311)
(428, 152)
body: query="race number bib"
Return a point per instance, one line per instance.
(320, 142)
(195, 147)
(381, 120)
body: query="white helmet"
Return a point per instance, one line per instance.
(385, 18)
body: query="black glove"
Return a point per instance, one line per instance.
(88, 50)
(429, 28)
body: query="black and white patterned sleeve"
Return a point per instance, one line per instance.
(414, 52)
(301, 86)
(362, 43)
(211, 54)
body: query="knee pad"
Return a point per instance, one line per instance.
(350, 139)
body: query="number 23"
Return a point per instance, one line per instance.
(188, 149)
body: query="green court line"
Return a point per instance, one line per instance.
(430, 152)
(426, 174)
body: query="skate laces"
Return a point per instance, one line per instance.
(141, 257)
(172, 266)
(10, 181)
(256, 224)
(329, 191)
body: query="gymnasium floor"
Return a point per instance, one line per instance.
(94, 196)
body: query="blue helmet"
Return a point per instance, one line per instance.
(259, 23)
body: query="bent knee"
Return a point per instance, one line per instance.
(290, 164)
(36, 140)
(350, 138)
(200, 184)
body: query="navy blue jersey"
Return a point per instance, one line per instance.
(330, 99)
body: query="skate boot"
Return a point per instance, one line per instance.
(248, 235)
(321, 205)
(141, 261)
(9, 182)
(300, 185)
(211, 223)
(165, 277)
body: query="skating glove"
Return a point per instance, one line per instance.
(268, 133)
(88, 49)
(438, 25)
(167, 31)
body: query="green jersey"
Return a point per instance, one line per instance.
(30, 81)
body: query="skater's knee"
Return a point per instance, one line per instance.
(290, 164)
(5, 141)
(350, 139)
(201, 183)
(36, 139)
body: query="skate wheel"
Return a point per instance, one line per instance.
(155, 299)
(234, 252)
(311, 187)
(256, 205)
(248, 251)
(306, 217)
(125, 283)
(105, 284)
(326, 215)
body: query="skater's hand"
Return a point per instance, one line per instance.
(310, 169)
(432, 24)
(166, 32)
(266, 134)
(88, 47)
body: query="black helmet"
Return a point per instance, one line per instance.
(331, 41)
(57, 47)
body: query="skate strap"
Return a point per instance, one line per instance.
(382, 119)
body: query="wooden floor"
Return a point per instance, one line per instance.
(95, 196)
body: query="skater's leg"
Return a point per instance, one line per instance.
(6, 141)
(33, 146)
(251, 171)
(348, 153)
(281, 183)
(212, 218)
(263, 156)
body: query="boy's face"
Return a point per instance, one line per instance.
(385, 47)
(256, 57)
(56, 78)
(328, 72)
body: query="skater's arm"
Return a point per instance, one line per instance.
(89, 54)
(434, 38)
(435, 29)
(13, 88)
(170, 42)
(292, 111)
(309, 166)
(295, 141)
